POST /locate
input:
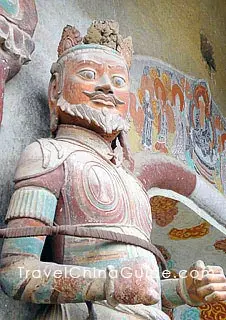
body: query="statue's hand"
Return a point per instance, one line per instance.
(203, 284)
(135, 284)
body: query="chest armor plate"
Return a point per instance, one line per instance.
(97, 192)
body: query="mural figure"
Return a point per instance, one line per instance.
(179, 146)
(162, 137)
(160, 94)
(223, 167)
(203, 134)
(148, 121)
(74, 186)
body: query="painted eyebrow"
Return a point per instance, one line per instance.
(89, 62)
(117, 67)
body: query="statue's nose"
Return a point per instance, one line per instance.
(104, 85)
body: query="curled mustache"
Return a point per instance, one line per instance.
(106, 120)
(106, 97)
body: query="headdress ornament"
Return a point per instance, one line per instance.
(102, 33)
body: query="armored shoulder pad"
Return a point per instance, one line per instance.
(43, 156)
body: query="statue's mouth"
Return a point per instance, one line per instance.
(102, 98)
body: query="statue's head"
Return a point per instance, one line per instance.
(90, 81)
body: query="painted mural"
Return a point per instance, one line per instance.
(181, 119)
(175, 114)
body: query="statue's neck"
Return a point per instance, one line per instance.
(84, 136)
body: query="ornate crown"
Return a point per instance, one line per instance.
(104, 33)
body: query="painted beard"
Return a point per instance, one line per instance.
(109, 122)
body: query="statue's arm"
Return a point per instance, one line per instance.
(170, 294)
(23, 276)
(199, 285)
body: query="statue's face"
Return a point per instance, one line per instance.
(99, 80)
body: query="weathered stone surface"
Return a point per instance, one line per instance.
(18, 20)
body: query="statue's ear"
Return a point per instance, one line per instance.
(53, 92)
(53, 95)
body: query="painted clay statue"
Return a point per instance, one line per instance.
(75, 179)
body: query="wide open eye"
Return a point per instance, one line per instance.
(118, 81)
(87, 74)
